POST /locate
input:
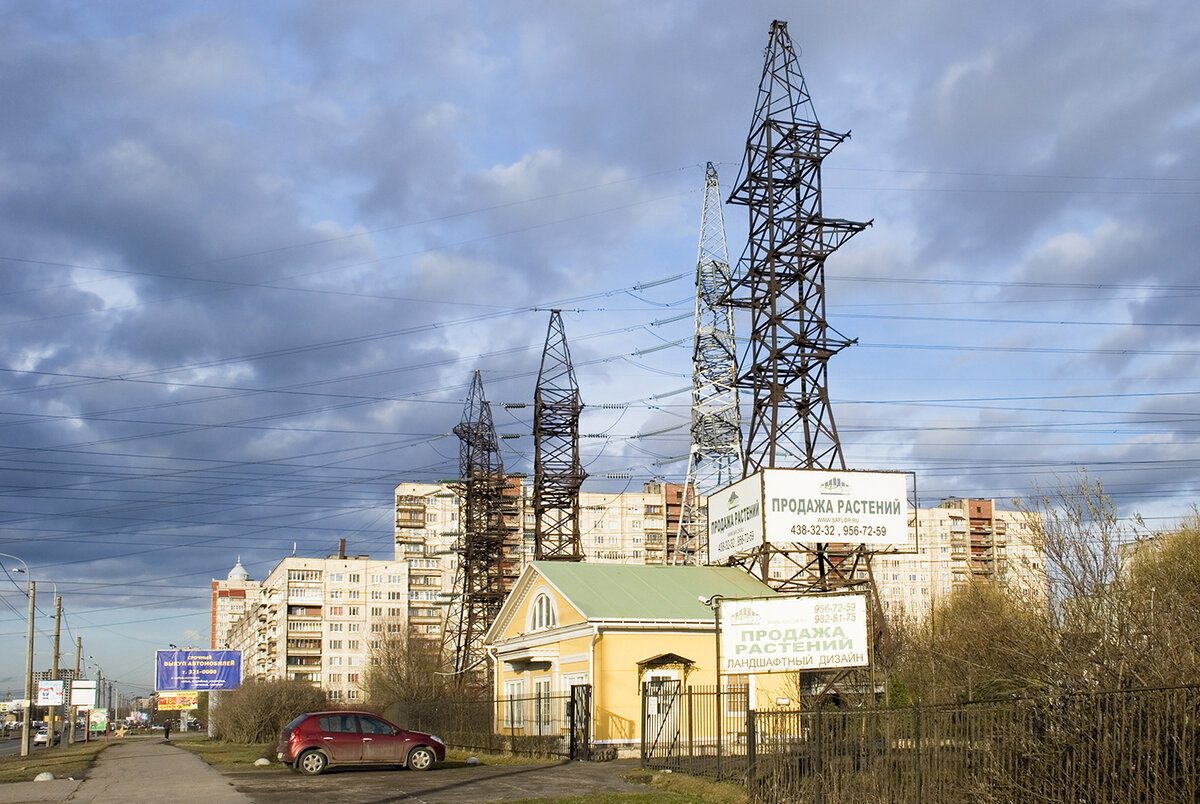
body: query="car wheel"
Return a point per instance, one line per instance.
(421, 758)
(311, 763)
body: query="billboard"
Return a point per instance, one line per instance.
(808, 506)
(786, 634)
(49, 693)
(177, 700)
(83, 694)
(735, 523)
(197, 670)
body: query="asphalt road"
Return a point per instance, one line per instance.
(442, 785)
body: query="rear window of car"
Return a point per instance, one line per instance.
(299, 719)
(338, 723)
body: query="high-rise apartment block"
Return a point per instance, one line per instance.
(230, 598)
(318, 619)
(959, 541)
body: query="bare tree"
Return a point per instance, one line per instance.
(405, 668)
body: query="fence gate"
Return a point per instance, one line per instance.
(660, 716)
(579, 713)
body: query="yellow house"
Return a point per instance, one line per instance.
(612, 627)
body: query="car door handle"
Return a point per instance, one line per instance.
(326, 738)
(366, 739)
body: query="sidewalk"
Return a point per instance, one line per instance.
(135, 772)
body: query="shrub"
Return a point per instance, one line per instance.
(258, 710)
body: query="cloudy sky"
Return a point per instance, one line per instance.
(251, 254)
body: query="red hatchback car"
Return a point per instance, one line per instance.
(318, 740)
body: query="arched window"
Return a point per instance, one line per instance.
(542, 614)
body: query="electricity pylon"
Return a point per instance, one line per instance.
(781, 282)
(715, 457)
(558, 472)
(484, 513)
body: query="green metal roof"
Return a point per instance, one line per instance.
(647, 592)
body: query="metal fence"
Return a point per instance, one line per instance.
(525, 725)
(1126, 746)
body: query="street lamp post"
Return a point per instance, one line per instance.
(28, 658)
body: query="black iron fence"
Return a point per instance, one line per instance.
(538, 725)
(1131, 745)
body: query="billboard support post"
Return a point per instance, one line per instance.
(714, 603)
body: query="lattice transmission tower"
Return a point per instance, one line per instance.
(715, 457)
(558, 472)
(485, 512)
(781, 282)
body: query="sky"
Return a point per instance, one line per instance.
(251, 254)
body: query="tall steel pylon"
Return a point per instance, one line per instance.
(558, 472)
(484, 514)
(715, 457)
(781, 275)
(781, 282)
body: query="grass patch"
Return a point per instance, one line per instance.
(693, 788)
(456, 757)
(663, 788)
(62, 760)
(233, 756)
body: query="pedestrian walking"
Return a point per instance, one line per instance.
(167, 730)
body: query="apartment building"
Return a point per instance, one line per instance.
(615, 527)
(229, 600)
(318, 619)
(958, 541)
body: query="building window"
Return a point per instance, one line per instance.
(354, 577)
(542, 613)
(512, 705)
(541, 704)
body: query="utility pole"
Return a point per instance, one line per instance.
(28, 674)
(54, 666)
(74, 678)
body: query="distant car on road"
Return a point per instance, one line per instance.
(42, 737)
(318, 740)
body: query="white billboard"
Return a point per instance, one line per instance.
(49, 693)
(808, 506)
(814, 505)
(735, 522)
(787, 634)
(83, 694)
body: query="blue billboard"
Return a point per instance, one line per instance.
(197, 670)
